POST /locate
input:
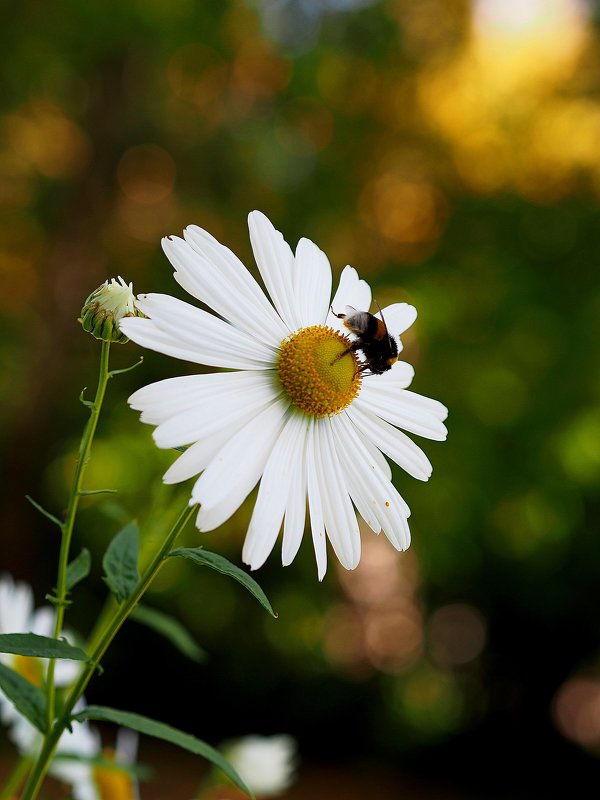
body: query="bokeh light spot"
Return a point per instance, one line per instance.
(456, 634)
(576, 711)
(146, 174)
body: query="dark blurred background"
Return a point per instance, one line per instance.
(451, 152)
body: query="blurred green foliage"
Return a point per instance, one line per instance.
(450, 154)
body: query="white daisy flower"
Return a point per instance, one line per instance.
(18, 615)
(265, 763)
(70, 763)
(110, 777)
(297, 410)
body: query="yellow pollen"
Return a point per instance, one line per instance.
(31, 668)
(113, 782)
(318, 379)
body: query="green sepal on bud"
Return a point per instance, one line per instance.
(105, 307)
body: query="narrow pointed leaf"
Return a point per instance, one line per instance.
(43, 511)
(165, 732)
(114, 372)
(31, 644)
(204, 558)
(120, 562)
(86, 403)
(89, 492)
(171, 629)
(28, 699)
(79, 568)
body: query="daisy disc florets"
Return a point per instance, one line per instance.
(296, 411)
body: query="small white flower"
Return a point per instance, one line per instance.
(76, 748)
(110, 777)
(18, 615)
(265, 763)
(295, 411)
(71, 761)
(93, 773)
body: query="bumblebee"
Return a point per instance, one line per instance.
(380, 350)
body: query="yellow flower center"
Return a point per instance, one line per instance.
(113, 782)
(316, 374)
(30, 668)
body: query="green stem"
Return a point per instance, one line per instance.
(105, 615)
(67, 526)
(102, 643)
(16, 777)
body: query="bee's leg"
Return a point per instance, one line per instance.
(353, 347)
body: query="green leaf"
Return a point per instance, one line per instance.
(86, 403)
(171, 629)
(204, 558)
(31, 644)
(43, 511)
(89, 492)
(79, 568)
(28, 699)
(114, 372)
(165, 732)
(120, 562)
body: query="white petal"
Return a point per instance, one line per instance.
(377, 456)
(231, 268)
(23, 735)
(234, 472)
(351, 291)
(398, 317)
(16, 605)
(206, 273)
(315, 506)
(145, 333)
(199, 455)
(177, 328)
(275, 262)
(194, 327)
(340, 520)
(376, 490)
(312, 284)
(164, 399)
(398, 377)
(213, 413)
(295, 511)
(407, 410)
(391, 441)
(360, 494)
(360, 500)
(42, 621)
(273, 494)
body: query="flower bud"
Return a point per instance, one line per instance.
(104, 308)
